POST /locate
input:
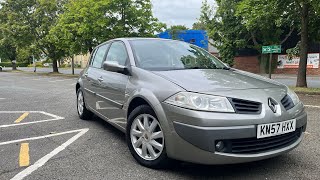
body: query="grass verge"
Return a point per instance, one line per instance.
(46, 74)
(299, 90)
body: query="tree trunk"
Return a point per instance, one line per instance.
(14, 65)
(302, 72)
(55, 66)
(90, 50)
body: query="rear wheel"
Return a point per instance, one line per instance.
(83, 112)
(145, 138)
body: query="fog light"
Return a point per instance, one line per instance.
(219, 146)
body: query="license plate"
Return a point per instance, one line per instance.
(274, 129)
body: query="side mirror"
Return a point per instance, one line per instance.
(226, 64)
(113, 66)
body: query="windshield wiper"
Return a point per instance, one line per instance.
(194, 68)
(225, 68)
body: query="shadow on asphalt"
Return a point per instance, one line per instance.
(120, 135)
(207, 171)
(234, 170)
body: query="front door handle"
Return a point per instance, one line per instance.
(86, 75)
(100, 79)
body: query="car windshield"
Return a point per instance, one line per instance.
(164, 55)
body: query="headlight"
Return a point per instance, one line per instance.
(201, 102)
(293, 96)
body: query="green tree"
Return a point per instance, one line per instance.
(225, 28)
(175, 30)
(207, 12)
(28, 23)
(87, 23)
(8, 52)
(299, 14)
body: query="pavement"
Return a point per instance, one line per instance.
(46, 70)
(287, 79)
(42, 137)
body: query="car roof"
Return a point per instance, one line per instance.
(134, 38)
(141, 38)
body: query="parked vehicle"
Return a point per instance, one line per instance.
(46, 65)
(174, 100)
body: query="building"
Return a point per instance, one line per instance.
(80, 61)
(196, 37)
(282, 64)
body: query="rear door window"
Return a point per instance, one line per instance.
(92, 56)
(99, 56)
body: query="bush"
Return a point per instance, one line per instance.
(22, 64)
(64, 65)
(6, 64)
(38, 64)
(9, 64)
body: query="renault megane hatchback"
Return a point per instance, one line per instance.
(174, 100)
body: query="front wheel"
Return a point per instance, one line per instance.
(83, 112)
(145, 138)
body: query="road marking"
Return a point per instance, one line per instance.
(55, 118)
(312, 106)
(34, 122)
(307, 133)
(24, 159)
(19, 112)
(60, 80)
(2, 98)
(22, 117)
(47, 157)
(40, 137)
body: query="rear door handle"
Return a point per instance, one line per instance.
(86, 75)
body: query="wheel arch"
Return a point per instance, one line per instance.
(79, 84)
(150, 98)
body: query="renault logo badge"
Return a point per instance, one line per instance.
(273, 105)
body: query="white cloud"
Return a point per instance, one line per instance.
(177, 12)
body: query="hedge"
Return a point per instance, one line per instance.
(9, 64)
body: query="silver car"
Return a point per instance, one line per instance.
(174, 100)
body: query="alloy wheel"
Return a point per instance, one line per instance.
(147, 137)
(80, 103)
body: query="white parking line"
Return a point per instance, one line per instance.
(39, 137)
(19, 112)
(2, 98)
(47, 157)
(27, 123)
(61, 80)
(312, 106)
(54, 118)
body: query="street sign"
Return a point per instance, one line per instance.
(271, 49)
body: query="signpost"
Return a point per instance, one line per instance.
(72, 64)
(270, 50)
(34, 64)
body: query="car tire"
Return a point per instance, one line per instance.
(155, 158)
(83, 112)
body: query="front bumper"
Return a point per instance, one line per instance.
(195, 140)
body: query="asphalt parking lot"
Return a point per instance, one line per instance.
(41, 137)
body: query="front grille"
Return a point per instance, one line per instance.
(254, 145)
(287, 102)
(246, 107)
